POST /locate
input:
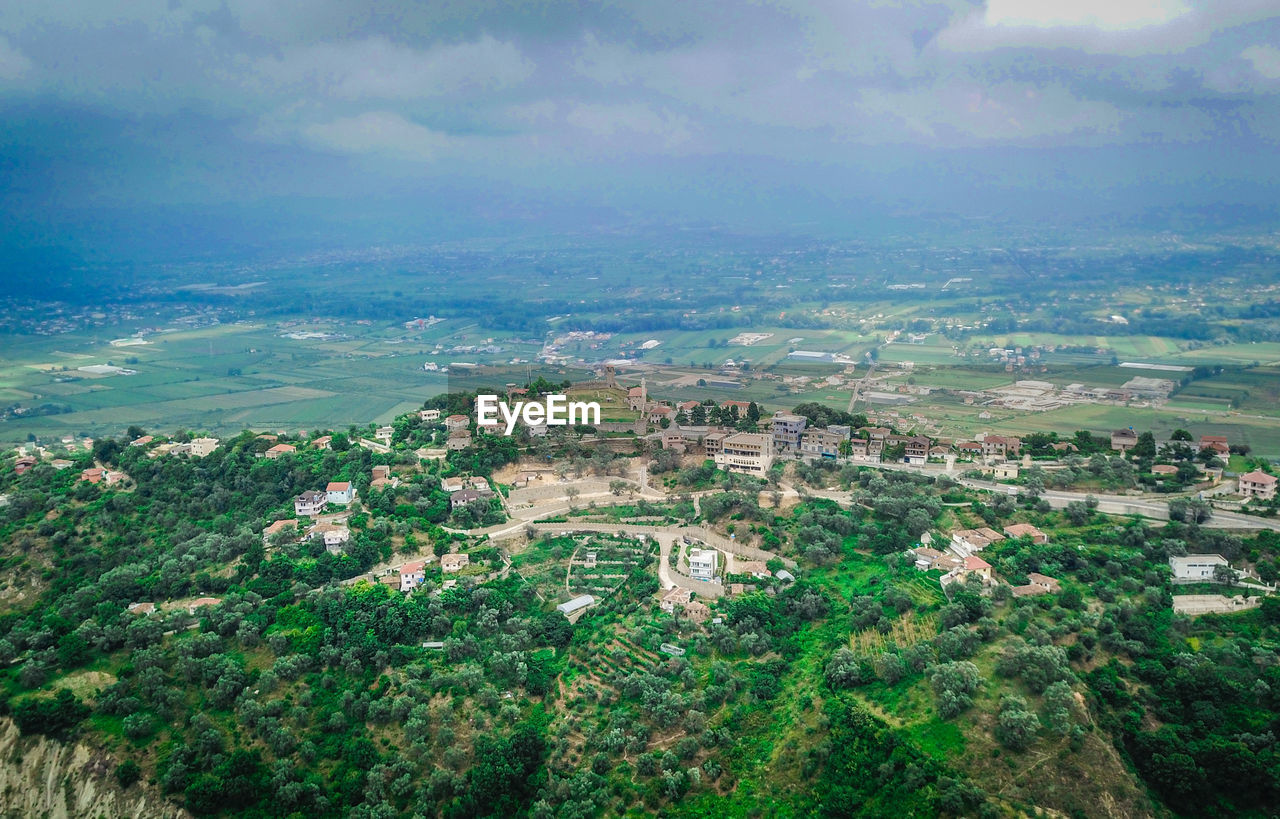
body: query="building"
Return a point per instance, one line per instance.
(659, 413)
(1005, 472)
(323, 442)
(637, 398)
(93, 474)
(823, 443)
(1196, 567)
(1218, 443)
(576, 604)
(143, 441)
(697, 611)
(1000, 446)
(451, 563)
(310, 503)
(1026, 530)
(340, 492)
(412, 575)
(24, 464)
(430, 415)
(713, 442)
(925, 557)
(333, 535)
(280, 449)
(1045, 582)
(916, 449)
(674, 440)
(974, 565)
(454, 484)
(787, 430)
(456, 423)
(1258, 484)
(676, 597)
(969, 449)
(1164, 470)
(1123, 440)
(200, 447)
(464, 496)
(749, 452)
(458, 439)
(975, 540)
(702, 564)
(384, 434)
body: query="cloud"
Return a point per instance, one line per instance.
(629, 121)
(382, 133)
(1264, 59)
(1107, 15)
(13, 63)
(381, 69)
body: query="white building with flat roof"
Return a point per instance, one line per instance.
(1195, 567)
(702, 564)
(749, 452)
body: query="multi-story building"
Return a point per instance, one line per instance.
(702, 564)
(823, 443)
(1258, 484)
(200, 447)
(787, 429)
(1123, 440)
(916, 449)
(310, 503)
(340, 492)
(749, 452)
(998, 446)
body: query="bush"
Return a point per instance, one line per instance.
(128, 772)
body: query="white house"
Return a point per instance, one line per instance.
(200, 447)
(429, 415)
(310, 503)
(702, 564)
(340, 492)
(1195, 567)
(384, 434)
(412, 575)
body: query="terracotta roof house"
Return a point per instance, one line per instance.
(276, 528)
(412, 575)
(1164, 469)
(1218, 443)
(454, 562)
(1026, 530)
(976, 565)
(280, 449)
(340, 492)
(323, 442)
(1258, 484)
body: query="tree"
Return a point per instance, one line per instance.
(953, 686)
(128, 772)
(1016, 725)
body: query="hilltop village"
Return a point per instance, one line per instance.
(810, 553)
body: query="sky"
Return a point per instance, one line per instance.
(185, 122)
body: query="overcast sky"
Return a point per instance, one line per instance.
(774, 109)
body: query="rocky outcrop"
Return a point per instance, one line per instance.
(41, 777)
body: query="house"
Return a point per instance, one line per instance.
(975, 540)
(1026, 530)
(381, 472)
(323, 442)
(675, 597)
(1045, 582)
(453, 484)
(93, 474)
(702, 564)
(660, 412)
(412, 575)
(1218, 443)
(1123, 440)
(464, 496)
(523, 479)
(201, 602)
(451, 563)
(455, 423)
(384, 434)
(24, 464)
(686, 406)
(1195, 567)
(974, 565)
(697, 611)
(276, 528)
(340, 492)
(1065, 446)
(938, 453)
(60, 463)
(916, 449)
(280, 449)
(458, 439)
(1258, 484)
(333, 535)
(201, 447)
(310, 503)
(429, 415)
(755, 568)
(925, 557)
(740, 406)
(576, 604)
(1000, 446)
(823, 443)
(143, 441)
(713, 442)
(674, 440)
(1164, 470)
(787, 430)
(969, 449)
(749, 452)
(141, 609)
(1005, 472)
